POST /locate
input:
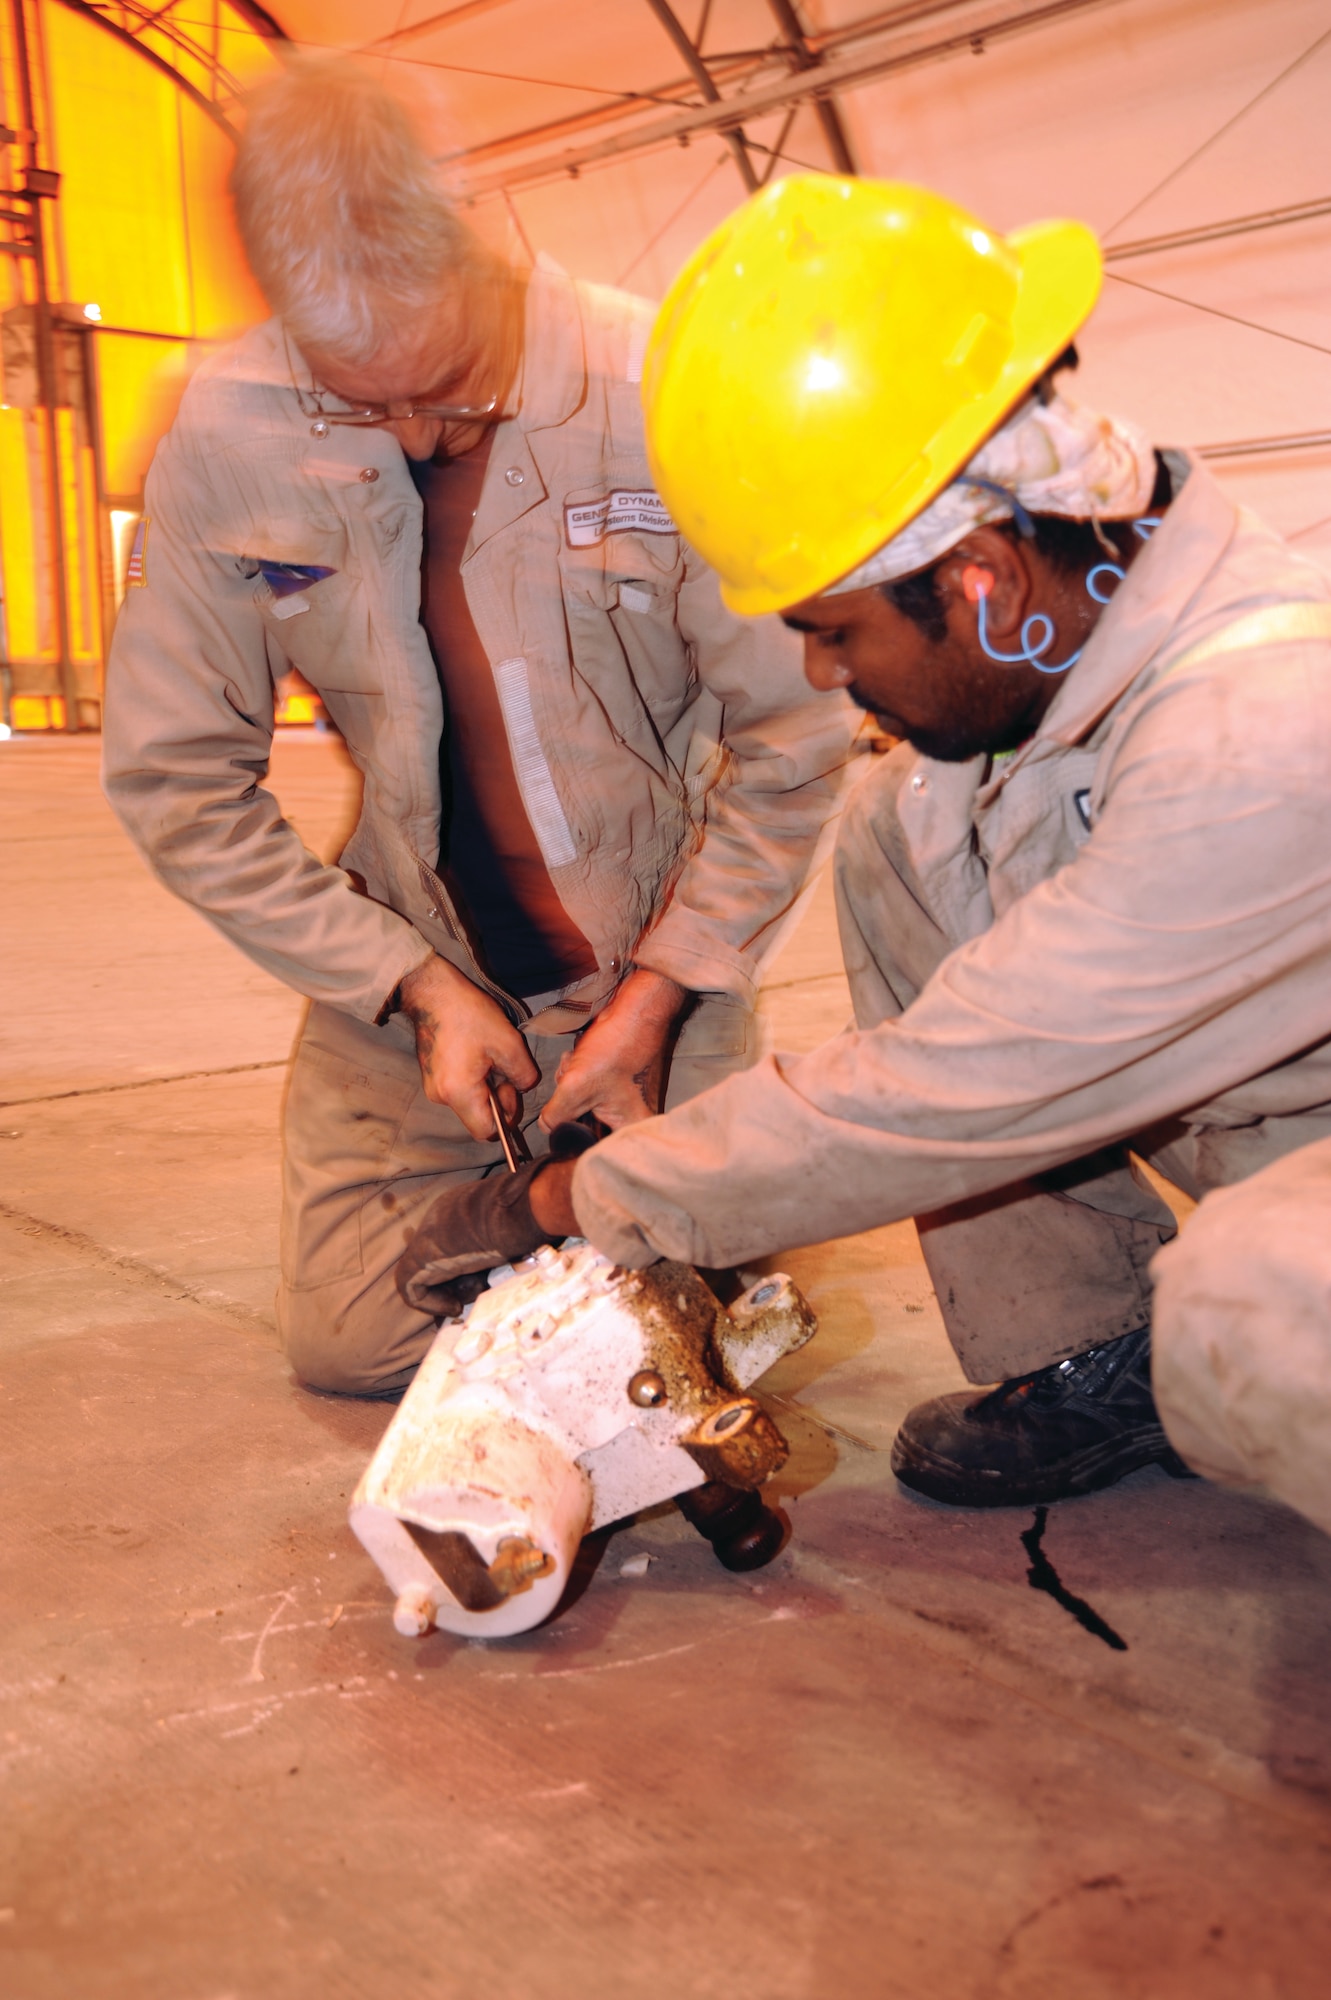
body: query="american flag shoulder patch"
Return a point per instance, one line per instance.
(136, 569)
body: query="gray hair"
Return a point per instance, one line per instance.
(341, 211)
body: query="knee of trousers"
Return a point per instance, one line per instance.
(1259, 1244)
(1242, 1335)
(352, 1340)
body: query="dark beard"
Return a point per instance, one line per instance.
(958, 746)
(954, 742)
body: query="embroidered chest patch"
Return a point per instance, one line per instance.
(636, 510)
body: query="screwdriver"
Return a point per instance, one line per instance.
(516, 1150)
(566, 1141)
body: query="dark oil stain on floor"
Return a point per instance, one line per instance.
(1043, 1576)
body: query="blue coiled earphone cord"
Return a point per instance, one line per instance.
(1031, 646)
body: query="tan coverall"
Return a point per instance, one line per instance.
(1243, 1333)
(676, 768)
(1119, 935)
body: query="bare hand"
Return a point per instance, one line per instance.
(463, 1042)
(617, 1069)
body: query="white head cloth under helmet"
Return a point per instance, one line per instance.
(1048, 458)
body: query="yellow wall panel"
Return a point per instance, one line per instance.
(226, 297)
(116, 141)
(24, 601)
(142, 229)
(243, 52)
(82, 568)
(139, 383)
(37, 711)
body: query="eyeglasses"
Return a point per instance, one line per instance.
(326, 408)
(317, 403)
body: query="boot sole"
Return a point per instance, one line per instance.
(940, 1479)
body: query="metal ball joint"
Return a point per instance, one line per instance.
(647, 1390)
(744, 1533)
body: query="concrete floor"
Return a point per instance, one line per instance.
(883, 1767)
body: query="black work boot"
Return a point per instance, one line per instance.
(1067, 1429)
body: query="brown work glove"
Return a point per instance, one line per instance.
(474, 1227)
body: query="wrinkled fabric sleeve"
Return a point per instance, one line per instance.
(1185, 950)
(787, 751)
(187, 738)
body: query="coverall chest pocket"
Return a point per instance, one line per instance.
(1038, 823)
(621, 603)
(313, 604)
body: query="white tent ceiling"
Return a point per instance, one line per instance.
(1147, 118)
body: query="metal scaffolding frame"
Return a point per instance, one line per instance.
(800, 55)
(696, 64)
(740, 86)
(184, 37)
(1215, 232)
(1267, 447)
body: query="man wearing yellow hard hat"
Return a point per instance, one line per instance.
(1085, 904)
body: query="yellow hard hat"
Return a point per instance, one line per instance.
(831, 357)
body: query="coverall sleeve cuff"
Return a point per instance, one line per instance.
(415, 950)
(606, 1220)
(681, 950)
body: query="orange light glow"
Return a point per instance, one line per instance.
(144, 269)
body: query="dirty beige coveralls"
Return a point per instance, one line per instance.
(1249, 1279)
(676, 767)
(1121, 934)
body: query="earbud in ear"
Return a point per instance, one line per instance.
(976, 583)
